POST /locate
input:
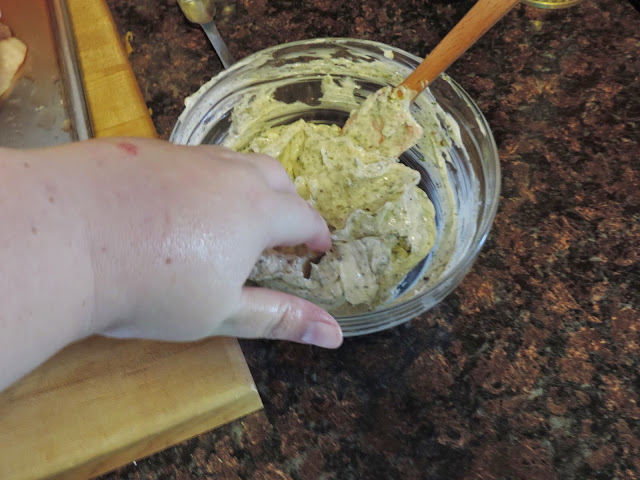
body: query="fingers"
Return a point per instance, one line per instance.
(295, 221)
(292, 221)
(273, 172)
(270, 314)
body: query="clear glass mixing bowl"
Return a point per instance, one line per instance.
(464, 184)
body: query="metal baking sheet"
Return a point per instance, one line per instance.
(46, 105)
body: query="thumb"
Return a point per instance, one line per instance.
(272, 314)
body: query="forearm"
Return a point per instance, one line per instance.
(47, 283)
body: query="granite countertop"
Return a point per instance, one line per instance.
(531, 368)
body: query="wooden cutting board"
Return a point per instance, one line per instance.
(102, 403)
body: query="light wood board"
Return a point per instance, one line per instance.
(102, 403)
(115, 103)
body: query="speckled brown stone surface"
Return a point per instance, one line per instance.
(531, 369)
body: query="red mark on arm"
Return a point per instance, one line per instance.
(130, 148)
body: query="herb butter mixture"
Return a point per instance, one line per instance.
(382, 224)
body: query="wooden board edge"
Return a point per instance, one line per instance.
(248, 403)
(87, 18)
(230, 404)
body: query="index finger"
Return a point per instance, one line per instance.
(271, 169)
(292, 221)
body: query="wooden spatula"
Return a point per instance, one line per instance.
(482, 16)
(383, 120)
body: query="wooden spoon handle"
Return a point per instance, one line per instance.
(482, 16)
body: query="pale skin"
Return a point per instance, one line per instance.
(139, 238)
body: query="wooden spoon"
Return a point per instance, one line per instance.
(482, 16)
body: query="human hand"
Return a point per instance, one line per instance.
(174, 233)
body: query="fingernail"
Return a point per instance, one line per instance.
(322, 335)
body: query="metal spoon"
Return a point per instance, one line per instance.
(202, 12)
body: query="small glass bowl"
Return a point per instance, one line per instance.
(464, 185)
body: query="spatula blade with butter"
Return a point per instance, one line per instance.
(387, 126)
